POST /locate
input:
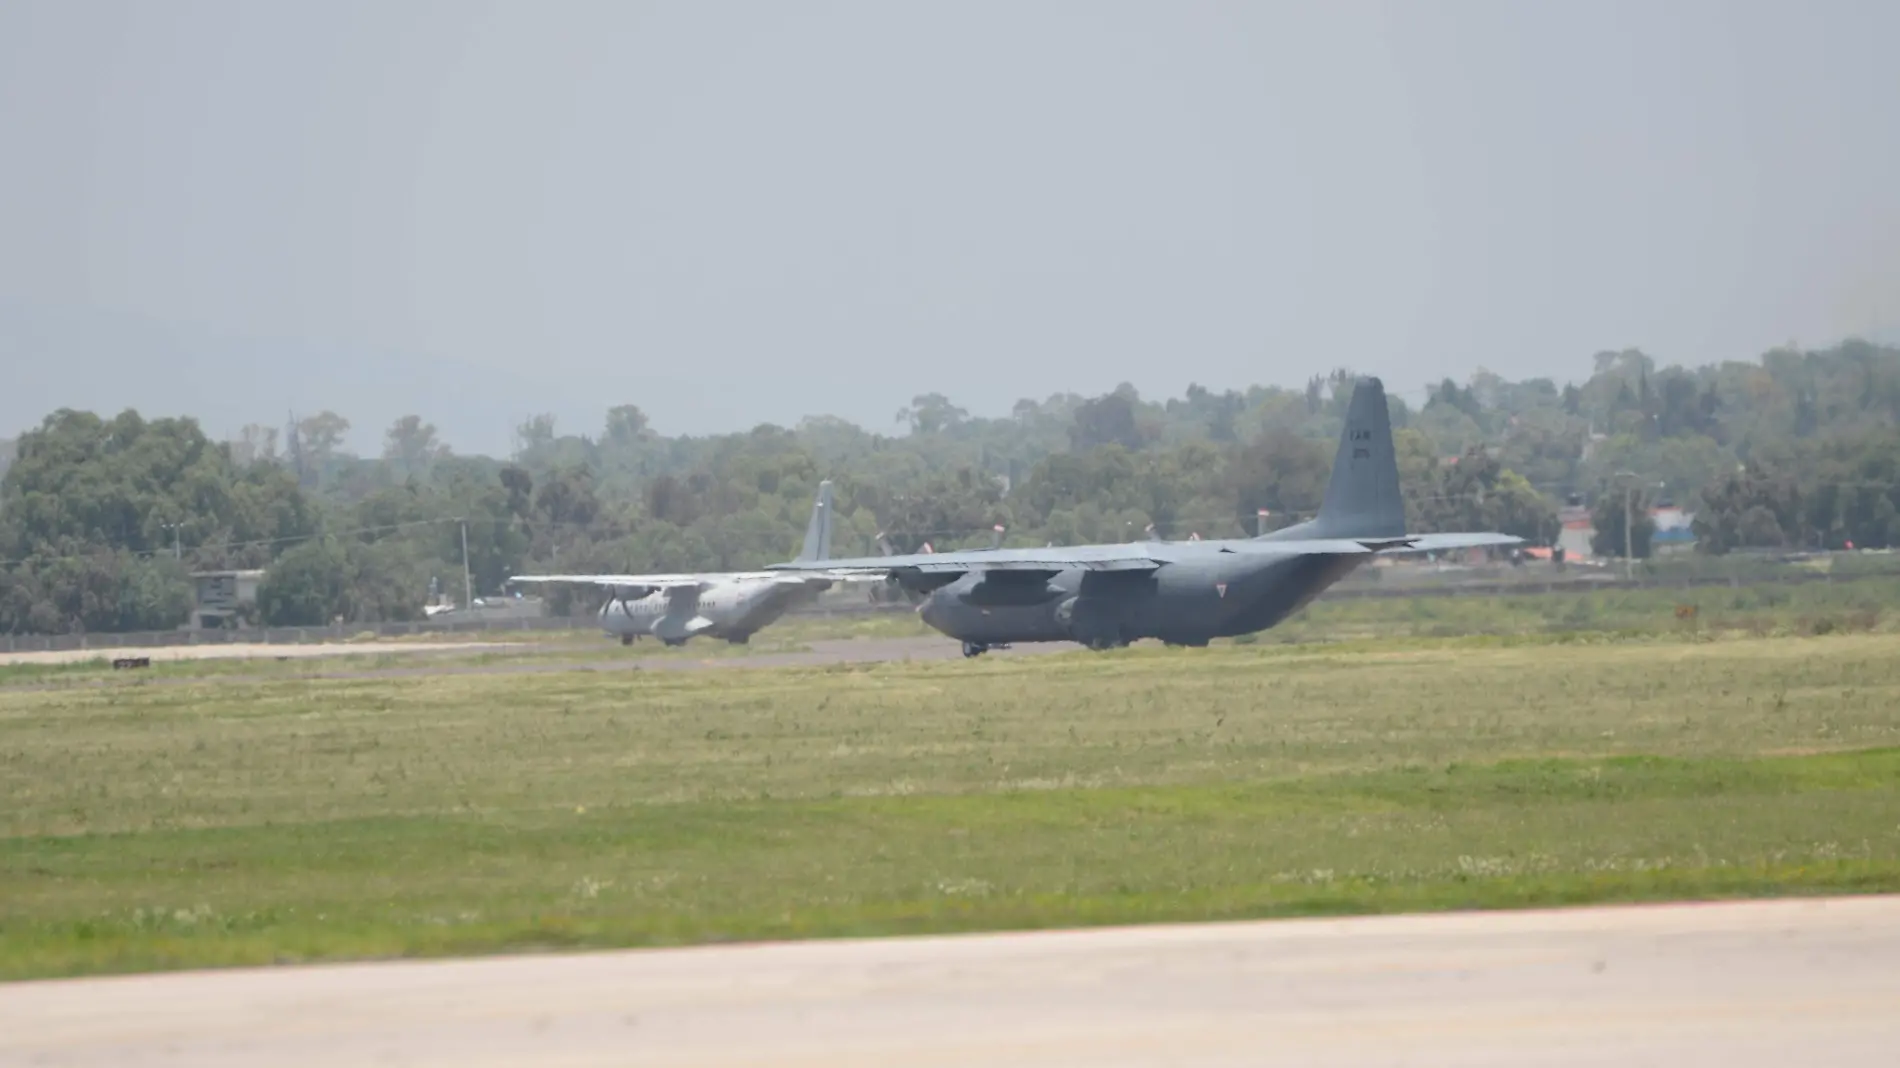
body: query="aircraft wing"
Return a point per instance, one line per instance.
(1135, 556)
(641, 585)
(649, 582)
(1139, 556)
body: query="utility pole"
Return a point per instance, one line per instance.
(468, 586)
(1629, 547)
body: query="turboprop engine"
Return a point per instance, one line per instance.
(1092, 621)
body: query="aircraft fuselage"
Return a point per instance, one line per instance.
(732, 611)
(1187, 602)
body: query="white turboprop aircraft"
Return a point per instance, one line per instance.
(720, 604)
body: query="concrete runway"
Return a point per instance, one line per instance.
(1743, 985)
(255, 651)
(548, 659)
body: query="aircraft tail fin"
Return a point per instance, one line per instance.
(1362, 497)
(818, 532)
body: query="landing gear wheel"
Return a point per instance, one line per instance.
(626, 639)
(673, 642)
(739, 639)
(974, 649)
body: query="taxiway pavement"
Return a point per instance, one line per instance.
(1735, 985)
(429, 660)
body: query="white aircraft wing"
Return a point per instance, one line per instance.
(648, 582)
(694, 580)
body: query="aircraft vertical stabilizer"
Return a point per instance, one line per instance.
(1362, 497)
(818, 532)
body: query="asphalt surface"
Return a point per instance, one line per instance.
(1744, 985)
(254, 651)
(553, 659)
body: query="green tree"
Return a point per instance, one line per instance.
(931, 413)
(626, 426)
(412, 446)
(1281, 472)
(1608, 516)
(309, 586)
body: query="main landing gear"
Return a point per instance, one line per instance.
(979, 648)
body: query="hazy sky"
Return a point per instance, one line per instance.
(734, 213)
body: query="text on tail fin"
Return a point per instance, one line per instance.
(1362, 495)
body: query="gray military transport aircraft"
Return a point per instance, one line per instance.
(1183, 593)
(718, 604)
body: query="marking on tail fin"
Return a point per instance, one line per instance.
(1362, 495)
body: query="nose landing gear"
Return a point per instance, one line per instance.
(974, 649)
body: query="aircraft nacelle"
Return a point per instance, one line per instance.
(911, 580)
(1001, 589)
(1093, 621)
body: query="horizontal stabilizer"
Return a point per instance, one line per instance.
(1436, 543)
(1404, 543)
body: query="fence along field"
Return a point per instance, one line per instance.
(227, 821)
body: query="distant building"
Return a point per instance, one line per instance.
(1675, 530)
(219, 597)
(1578, 530)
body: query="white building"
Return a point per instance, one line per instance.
(219, 595)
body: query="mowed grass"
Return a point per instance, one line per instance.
(294, 819)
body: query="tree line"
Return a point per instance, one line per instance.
(103, 518)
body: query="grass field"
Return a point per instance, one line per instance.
(241, 821)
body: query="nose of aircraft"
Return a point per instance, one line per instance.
(930, 611)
